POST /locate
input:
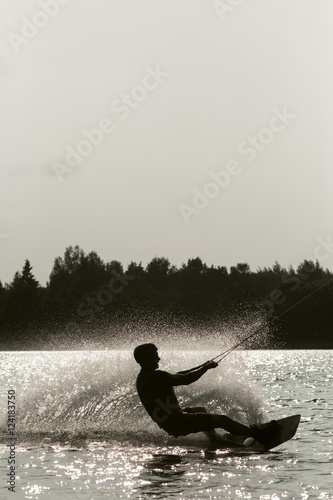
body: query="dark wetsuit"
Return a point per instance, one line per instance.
(155, 389)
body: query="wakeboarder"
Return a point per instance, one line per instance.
(156, 392)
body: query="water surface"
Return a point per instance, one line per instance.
(82, 433)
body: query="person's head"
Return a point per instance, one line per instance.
(147, 356)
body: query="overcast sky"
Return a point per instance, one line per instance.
(215, 131)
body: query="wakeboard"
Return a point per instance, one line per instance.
(286, 429)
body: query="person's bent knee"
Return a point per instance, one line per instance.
(196, 409)
(199, 409)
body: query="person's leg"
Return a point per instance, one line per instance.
(224, 422)
(211, 434)
(194, 409)
(229, 425)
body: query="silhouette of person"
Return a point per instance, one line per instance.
(156, 392)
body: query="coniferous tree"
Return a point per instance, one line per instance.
(28, 279)
(299, 299)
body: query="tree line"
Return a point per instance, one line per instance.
(89, 300)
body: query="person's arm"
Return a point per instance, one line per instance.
(186, 378)
(192, 369)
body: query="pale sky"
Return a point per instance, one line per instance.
(184, 90)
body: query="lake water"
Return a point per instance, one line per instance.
(81, 432)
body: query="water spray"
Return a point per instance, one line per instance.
(226, 353)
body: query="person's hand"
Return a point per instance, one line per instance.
(211, 364)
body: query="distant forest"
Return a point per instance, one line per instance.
(89, 302)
